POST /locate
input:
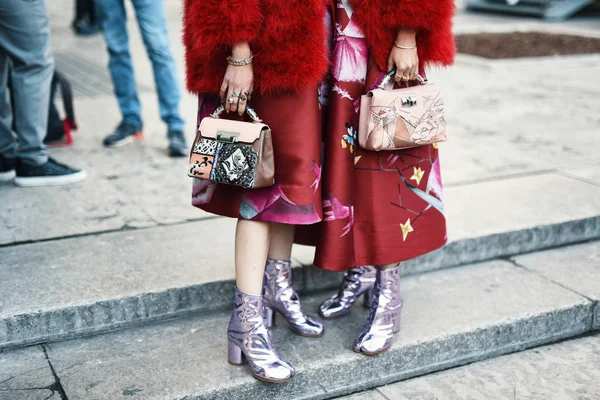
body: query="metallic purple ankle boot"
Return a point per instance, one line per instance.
(280, 296)
(250, 340)
(357, 281)
(384, 317)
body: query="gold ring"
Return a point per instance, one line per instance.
(405, 78)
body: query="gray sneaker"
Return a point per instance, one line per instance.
(124, 134)
(177, 146)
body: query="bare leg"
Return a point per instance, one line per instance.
(248, 337)
(387, 266)
(282, 239)
(251, 246)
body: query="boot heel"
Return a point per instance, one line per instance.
(269, 317)
(235, 355)
(368, 298)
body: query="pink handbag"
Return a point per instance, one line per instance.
(401, 118)
(233, 152)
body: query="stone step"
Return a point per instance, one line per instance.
(567, 370)
(63, 289)
(451, 317)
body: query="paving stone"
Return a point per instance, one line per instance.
(519, 203)
(588, 174)
(574, 267)
(32, 214)
(524, 137)
(369, 395)
(567, 370)
(25, 375)
(186, 359)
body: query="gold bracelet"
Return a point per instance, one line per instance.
(405, 47)
(240, 63)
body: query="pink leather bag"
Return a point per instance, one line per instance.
(401, 118)
(233, 152)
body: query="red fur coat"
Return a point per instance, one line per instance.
(288, 37)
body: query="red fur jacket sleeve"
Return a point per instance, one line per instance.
(288, 37)
(432, 19)
(221, 22)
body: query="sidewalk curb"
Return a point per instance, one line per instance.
(437, 354)
(55, 324)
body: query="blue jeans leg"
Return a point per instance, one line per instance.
(153, 25)
(112, 18)
(26, 55)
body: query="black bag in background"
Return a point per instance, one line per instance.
(59, 131)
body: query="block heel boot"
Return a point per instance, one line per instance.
(384, 315)
(358, 281)
(280, 296)
(250, 341)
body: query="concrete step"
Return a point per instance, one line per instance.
(451, 317)
(68, 288)
(567, 370)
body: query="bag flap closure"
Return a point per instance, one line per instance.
(226, 130)
(411, 103)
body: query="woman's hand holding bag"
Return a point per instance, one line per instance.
(238, 83)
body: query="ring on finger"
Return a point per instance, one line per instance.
(230, 100)
(243, 97)
(405, 78)
(234, 94)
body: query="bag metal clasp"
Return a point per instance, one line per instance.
(227, 137)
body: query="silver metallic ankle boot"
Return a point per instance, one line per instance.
(357, 281)
(250, 340)
(280, 296)
(384, 316)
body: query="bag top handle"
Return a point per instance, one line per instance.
(217, 113)
(390, 75)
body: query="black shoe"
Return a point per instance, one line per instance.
(50, 173)
(177, 146)
(7, 168)
(124, 134)
(84, 28)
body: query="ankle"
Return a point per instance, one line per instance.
(249, 290)
(389, 266)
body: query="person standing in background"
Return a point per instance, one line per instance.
(84, 23)
(150, 14)
(26, 56)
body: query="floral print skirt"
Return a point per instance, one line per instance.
(357, 207)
